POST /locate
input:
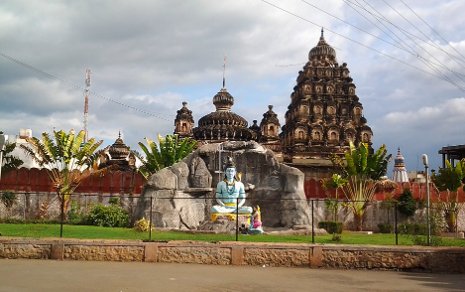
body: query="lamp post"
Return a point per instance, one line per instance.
(3, 139)
(424, 157)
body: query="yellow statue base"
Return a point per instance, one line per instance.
(243, 218)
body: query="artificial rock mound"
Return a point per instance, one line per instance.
(183, 194)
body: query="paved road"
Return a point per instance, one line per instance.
(49, 275)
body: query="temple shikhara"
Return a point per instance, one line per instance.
(323, 117)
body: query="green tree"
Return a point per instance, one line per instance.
(67, 157)
(168, 151)
(363, 171)
(449, 180)
(335, 182)
(10, 161)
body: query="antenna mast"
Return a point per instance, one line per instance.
(86, 103)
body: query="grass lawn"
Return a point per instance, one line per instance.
(95, 232)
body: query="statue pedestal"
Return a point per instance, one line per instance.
(243, 218)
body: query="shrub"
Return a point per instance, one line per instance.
(75, 215)
(385, 228)
(108, 216)
(406, 204)
(114, 201)
(331, 226)
(422, 240)
(142, 225)
(8, 199)
(413, 229)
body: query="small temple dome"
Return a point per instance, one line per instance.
(400, 172)
(184, 113)
(270, 117)
(322, 50)
(118, 150)
(223, 101)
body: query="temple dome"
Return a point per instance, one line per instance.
(322, 50)
(184, 113)
(118, 150)
(223, 124)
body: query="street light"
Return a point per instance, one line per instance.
(3, 139)
(424, 157)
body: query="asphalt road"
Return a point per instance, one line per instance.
(49, 275)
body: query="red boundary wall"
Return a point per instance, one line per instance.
(37, 180)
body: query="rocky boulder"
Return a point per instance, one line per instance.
(183, 194)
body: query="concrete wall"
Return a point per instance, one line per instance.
(426, 259)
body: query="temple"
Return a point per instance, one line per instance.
(118, 156)
(323, 117)
(400, 172)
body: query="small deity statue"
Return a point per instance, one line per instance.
(256, 221)
(230, 193)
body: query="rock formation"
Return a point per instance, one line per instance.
(183, 193)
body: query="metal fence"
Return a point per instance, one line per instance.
(192, 214)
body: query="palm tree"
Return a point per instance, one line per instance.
(168, 151)
(363, 171)
(67, 157)
(10, 162)
(449, 180)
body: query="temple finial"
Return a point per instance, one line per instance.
(119, 134)
(322, 32)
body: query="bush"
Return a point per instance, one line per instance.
(75, 215)
(413, 229)
(142, 225)
(8, 199)
(422, 240)
(331, 226)
(385, 228)
(108, 216)
(406, 204)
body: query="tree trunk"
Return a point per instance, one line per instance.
(358, 221)
(451, 220)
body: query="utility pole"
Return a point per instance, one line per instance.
(86, 103)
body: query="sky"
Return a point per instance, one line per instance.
(406, 58)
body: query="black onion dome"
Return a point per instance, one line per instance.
(223, 124)
(223, 101)
(118, 150)
(322, 49)
(184, 113)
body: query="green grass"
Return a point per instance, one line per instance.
(95, 232)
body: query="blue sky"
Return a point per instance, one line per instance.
(152, 55)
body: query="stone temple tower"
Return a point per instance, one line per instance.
(324, 114)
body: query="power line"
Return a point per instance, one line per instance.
(432, 65)
(77, 87)
(363, 45)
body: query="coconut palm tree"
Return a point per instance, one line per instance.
(169, 150)
(67, 157)
(363, 171)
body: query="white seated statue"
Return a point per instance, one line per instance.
(230, 194)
